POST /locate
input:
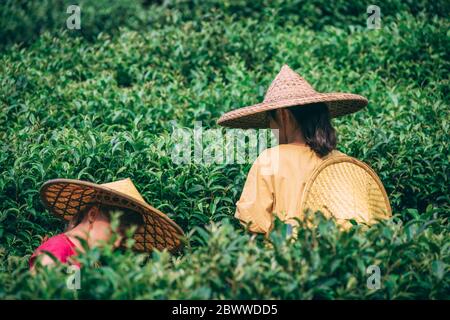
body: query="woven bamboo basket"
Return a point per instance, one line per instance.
(345, 188)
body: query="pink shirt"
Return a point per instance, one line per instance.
(60, 246)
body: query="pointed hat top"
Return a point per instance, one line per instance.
(125, 186)
(286, 85)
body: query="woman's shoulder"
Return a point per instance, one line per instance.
(291, 153)
(59, 246)
(284, 150)
(336, 152)
(59, 243)
(267, 154)
(269, 161)
(289, 149)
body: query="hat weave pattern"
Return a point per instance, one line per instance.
(65, 198)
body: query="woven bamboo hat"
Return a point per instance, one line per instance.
(345, 188)
(289, 89)
(66, 197)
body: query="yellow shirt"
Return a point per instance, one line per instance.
(275, 184)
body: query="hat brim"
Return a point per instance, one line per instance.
(66, 197)
(255, 116)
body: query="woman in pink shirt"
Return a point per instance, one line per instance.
(92, 225)
(88, 207)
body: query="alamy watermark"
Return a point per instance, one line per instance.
(73, 281)
(73, 22)
(374, 17)
(374, 280)
(223, 146)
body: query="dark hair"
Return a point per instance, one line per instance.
(315, 124)
(128, 217)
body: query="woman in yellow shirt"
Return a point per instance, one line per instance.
(301, 117)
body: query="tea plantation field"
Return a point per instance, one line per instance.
(99, 104)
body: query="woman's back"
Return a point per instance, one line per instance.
(275, 184)
(300, 118)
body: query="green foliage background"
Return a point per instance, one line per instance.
(96, 104)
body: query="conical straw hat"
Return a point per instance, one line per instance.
(66, 197)
(289, 89)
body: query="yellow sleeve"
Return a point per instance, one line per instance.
(254, 208)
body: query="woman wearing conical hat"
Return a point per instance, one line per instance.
(88, 207)
(275, 184)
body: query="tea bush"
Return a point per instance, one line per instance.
(102, 107)
(22, 21)
(324, 263)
